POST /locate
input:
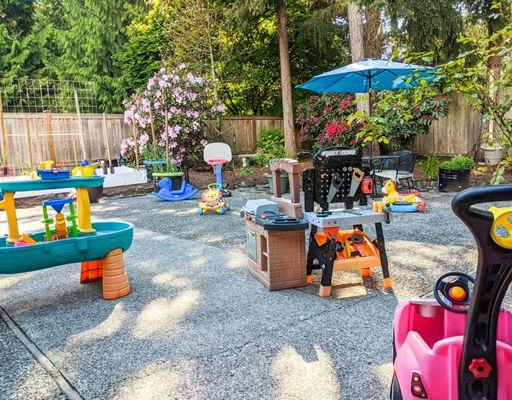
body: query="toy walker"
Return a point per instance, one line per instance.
(216, 155)
(459, 346)
(400, 202)
(213, 201)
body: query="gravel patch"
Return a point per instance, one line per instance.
(198, 326)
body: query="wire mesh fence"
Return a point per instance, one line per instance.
(39, 95)
(58, 120)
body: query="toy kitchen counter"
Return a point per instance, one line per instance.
(276, 247)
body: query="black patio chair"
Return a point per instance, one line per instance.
(398, 166)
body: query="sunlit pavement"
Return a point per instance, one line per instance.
(198, 326)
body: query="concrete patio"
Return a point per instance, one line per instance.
(198, 326)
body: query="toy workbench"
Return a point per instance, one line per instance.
(337, 238)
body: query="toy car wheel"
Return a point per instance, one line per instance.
(221, 211)
(200, 211)
(396, 393)
(228, 208)
(421, 206)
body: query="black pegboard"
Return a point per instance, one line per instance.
(326, 164)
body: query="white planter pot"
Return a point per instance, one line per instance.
(492, 155)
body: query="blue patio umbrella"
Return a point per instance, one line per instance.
(369, 74)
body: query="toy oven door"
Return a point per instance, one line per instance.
(252, 245)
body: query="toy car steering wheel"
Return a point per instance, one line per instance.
(214, 186)
(454, 288)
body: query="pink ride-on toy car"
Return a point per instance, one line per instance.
(460, 346)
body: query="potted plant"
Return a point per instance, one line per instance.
(493, 153)
(270, 145)
(4, 169)
(454, 174)
(430, 170)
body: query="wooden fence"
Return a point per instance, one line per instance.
(242, 133)
(32, 138)
(37, 137)
(457, 133)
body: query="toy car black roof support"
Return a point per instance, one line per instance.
(493, 277)
(331, 180)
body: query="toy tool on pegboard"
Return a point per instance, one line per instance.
(337, 176)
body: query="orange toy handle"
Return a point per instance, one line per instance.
(367, 185)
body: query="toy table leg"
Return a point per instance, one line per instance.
(330, 257)
(84, 211)
(9, 206)
(115, 279)
(311, 255)
(383, 256)
(91, 271)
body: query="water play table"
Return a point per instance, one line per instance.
(99, 246)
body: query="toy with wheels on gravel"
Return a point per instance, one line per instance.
(400, 202)
(458, 346)
(213, 200)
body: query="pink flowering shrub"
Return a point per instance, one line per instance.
(186, 100)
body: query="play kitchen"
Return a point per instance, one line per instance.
(275, 245)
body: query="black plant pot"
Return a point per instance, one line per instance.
(453, 180)
(95, 193)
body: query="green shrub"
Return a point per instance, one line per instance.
(458, 163)
(270, 145)
(245, 171)
(431, 167)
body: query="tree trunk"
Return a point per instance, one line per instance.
(290, 143)
(373, 44)
(355, 25)
(356, 30)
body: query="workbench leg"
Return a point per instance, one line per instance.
(330, 257)
(364, 272)
(383, 256)
(311, 254)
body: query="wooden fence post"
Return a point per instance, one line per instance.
(254, 135)
(136, 148)
(80, 128)
(105, 139)
(48, 130)
(5, 143)
(29, 143)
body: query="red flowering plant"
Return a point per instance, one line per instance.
(323, 121)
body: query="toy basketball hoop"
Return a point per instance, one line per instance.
(216, 155)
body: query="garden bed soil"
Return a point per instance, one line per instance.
(233, 178)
